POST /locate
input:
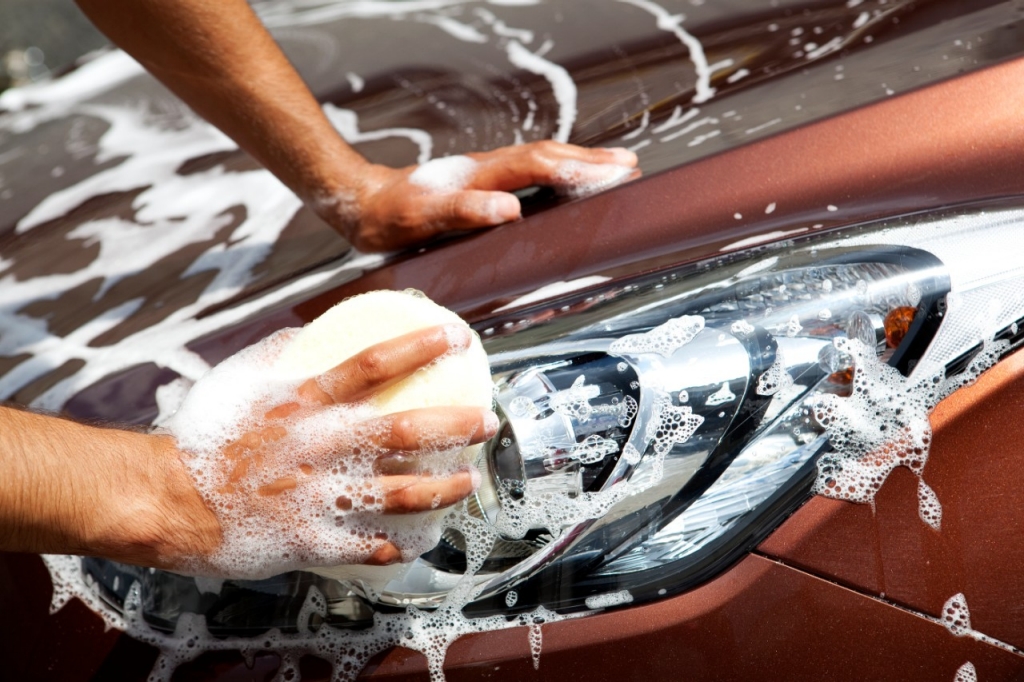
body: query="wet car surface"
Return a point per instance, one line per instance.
(158, 249)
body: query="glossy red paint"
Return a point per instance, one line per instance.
(974, 469)
(760, 620)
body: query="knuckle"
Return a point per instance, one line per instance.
(372, 366)
(543, 155)
(453, 206)
(404, 433)
(407, 216)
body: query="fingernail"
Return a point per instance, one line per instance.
(458, 336)
(503, 207)
(490, 424)
(475, 478)
(623, 156)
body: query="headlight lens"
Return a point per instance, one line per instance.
(681, 402)
(653, 430)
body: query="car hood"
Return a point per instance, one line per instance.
(138, 245)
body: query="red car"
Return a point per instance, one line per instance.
(705, 376)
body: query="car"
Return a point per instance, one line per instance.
(705, 375)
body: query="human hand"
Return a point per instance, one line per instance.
(389, 208)
(309, 475)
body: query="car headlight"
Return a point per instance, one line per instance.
(655, 429)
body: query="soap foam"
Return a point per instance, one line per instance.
(956, 618)
(536, 642)
(448, 174)
(579, 178)
(69, 581)
(553, 510)
(574, 402)
(331, 513)
(671, 424)
(955, 615)
(776, 378)
(264, 535)
(722, 396)
(883, 424)
(603, 601)
(928, 506)
(966, 673)
(665, 339)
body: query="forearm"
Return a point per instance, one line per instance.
(70, 488)
(218, 57)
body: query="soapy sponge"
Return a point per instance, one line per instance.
(357, 323)
(362, 321)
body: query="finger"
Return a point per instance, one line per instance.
(283, 484)
(432, 428)
(411, 494)
(384, 555)
(384, 364)
(278, 486)
(467, 209)
(546, 163)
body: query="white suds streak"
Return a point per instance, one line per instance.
(562, 85)
(502, 29)
(763, 126)
(830, 46)
(956, 618)
(126, 246)
(346, 122)
(738, 75)
(690, 128)
(644, 121)
(701, 139)
(674, 24)
(355, 81)
(677, 118)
